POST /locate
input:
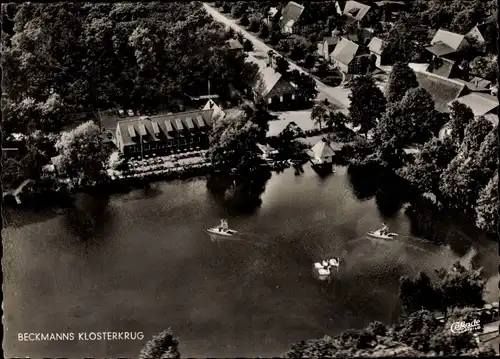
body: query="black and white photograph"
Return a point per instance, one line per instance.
(242, 179)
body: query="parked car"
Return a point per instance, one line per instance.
(121, 113)
(130, 113)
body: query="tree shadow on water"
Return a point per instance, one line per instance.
(239, 195)
(364, 181)
(89, 219)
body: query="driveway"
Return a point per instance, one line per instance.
(336, 95)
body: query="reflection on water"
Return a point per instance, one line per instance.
(143, 261)
(241, 197)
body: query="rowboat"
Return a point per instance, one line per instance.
(378, 234)
(222, 231)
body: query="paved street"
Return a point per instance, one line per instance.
(336, 95)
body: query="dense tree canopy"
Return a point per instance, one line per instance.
(68, 57)
(367, 103)
(421, 334)
(457, 287)
(428, 167)
(401, 79)
(82, 155)
(162, 346)
(234, 139)
(413, 120)
(487, 206)
(461, 116)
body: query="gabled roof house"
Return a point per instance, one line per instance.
(484, 32)
(270, 86)
(290, 16)
(446, 43)
(344, 54)
(445, 46)
(356, 10)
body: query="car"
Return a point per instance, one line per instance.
(130, 113)
(121, 113)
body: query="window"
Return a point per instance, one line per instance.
(170, 143)
(293, 96)
(281, 98)
(269, 100)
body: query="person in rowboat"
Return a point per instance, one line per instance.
(385, 230)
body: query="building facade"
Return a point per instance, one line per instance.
(164, 134)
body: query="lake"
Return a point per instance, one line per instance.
(142, 261)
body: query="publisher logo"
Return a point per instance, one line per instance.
(462, 327)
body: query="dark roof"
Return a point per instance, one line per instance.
(292, 11)
(352, 37)
(476, 84)
(441, 67)
(171, 125)
(442, 90)
(440, 49)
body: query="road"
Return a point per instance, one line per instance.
(336, 95)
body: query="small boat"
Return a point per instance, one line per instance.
(378, 234)
(222, 230)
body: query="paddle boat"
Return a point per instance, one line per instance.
(382, 233)
(222, 230)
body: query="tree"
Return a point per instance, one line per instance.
(475, 132)
(485, 67)
(247, 45)
(297, 51)
(254, 24)
(82, 156)
(337, 121)
(162, 346)
(322, 69)
(401, 79)
(460, 287)
(233, 144)
(309, 61)
(306, 86)
(461, 116)
(427, 169)
(417, 294)
(274, 36)
(263, 31)
(367, 103)
(413, 120)
(244, 21)
(238, 9)
(226, 8)
(487, 206)
(418, 335)
(282, 65)
(319, 115)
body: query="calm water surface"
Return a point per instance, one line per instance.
(142, 262)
